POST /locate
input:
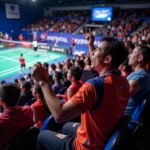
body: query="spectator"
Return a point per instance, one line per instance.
(14, 118)
(16, 81)
(125, 68)
(26, 94)
(3, 82)
(139, 80)
(86, 74)
(29, 79)
(39, 108)
(92, 101)
(74, 75)
(57, 86)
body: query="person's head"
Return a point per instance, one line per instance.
(37, 92)
(80, 64)
(21, 55)
(129, 46)
(26, 86)
(53, 67)
(60, 66)
(21, 80)
(142, 42)
(3, 82)
(29, 75)
(87, 61)
(124, 67)
(9, 94)
(57, 76)
(16, 81)
(46, 65)
(68, 65)
(74, 73)
(109, 54)
(139, 56)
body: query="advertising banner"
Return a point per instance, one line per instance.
(12, 11)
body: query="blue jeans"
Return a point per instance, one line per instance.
(49, 140)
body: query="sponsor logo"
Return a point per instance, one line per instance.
(58, 49)
(12, 8)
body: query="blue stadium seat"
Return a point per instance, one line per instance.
(139, 114)
(25, 140)
(51, 124)
(119, 136)
(46, 123)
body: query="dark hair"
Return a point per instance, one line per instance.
(10, 93)
(60, 66)
(129, 44)
(3, 82)
(81, 64)
(22, 79)
(26, 85)
(148, 41)
(58, 75)
(46, 65)
(145, 52)
(68, 64)
(67, 83)
(38, 89)
(29, 75)
(116, 49)
(143, 42)
(53, 66)
(128, 67)
(16, 80)
(21, 54)
(76, 72)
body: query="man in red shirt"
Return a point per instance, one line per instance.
(22, 62)
(101, 101)
(14, 119)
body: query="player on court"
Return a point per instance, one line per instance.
(22, 63)
(35, 46)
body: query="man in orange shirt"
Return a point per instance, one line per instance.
(101, 101)
(22, 62)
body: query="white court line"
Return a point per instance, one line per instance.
(9, 59)
(15, 57)
(26, 63)
(54, 57)
(18, 68)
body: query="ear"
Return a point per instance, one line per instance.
(140, 58)
(108, 59)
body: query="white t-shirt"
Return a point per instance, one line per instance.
(35, 44)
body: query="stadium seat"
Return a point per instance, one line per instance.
(25, 140)
(51, 124)
(119, 136)
(141, 112)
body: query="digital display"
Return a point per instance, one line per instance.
(102, 14)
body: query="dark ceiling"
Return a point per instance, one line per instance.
(62, 3)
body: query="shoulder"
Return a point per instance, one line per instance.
(138, 75)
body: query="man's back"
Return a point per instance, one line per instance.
(143, 79)
(14, 122)
(106, 97)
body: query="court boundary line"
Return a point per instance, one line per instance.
(27, 65)
(53, 57)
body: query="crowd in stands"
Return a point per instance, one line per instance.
(42, 25)
(67, 26)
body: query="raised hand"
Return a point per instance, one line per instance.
(90, 37)
(39, 73)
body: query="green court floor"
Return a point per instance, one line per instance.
(9, 60)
